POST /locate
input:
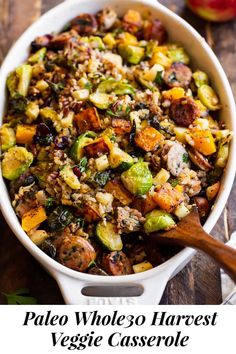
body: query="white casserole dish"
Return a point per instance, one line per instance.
(153, 281)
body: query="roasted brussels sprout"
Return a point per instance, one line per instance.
(101, 100)
(208, 97)
(97, 42)
(76, 151)
(177, 54)
(200, 78)
(118, 157)
(158, 220)
(38, 56)
(16, 160)
(7, 137)
(222, 155)
(24, 73)
(131, 53)
(70, 177)
(117, 87)
(108, 236)
(138, 178)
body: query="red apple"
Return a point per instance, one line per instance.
(214, 10)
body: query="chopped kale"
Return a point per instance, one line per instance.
(17, 104)
(101, 178)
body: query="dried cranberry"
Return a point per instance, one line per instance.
(77, 171)
(61, 142)
(43, 129)
(43, 135)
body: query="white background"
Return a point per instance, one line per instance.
(16, 338)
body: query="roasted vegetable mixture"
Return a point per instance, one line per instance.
(110, 135)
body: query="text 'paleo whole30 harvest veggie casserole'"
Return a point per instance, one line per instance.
(109, 135)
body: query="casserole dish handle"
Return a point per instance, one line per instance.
(147, 291)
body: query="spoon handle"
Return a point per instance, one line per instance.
(223, 254)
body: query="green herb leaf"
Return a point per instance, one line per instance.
(159, 79)
(185, 157)
(113, 138)
(111, 113)
(174, 182)
(80, 222)
(88, 85)
(20, 297)
(49, 202)
(56, 88)
(83, 164)
(128, 109)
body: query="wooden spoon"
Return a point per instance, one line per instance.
(189, 232)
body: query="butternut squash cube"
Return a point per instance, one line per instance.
(118, 191)
(33, 218)
(148, 139)
(25, 133)
(98, 147)
(88, 119)
(167, 197)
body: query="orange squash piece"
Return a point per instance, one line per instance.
(203, 141)
(25, 133)
(88, 119)
(167, 197)
(118, 191)
(98, 147)
(121, 126)
(148, 138)
(144, 205)
(33, 218)
(148, 204)
(133, 17)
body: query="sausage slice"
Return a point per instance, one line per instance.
(84, 24)
(106, 18)
(199, 160)
(178, 75)
(155, 30)
(60, 41)
(76, 253)
(40, 42)
(203, 206)
(184, 111)
(117, 263)
(177, 159)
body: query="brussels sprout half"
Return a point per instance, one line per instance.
(15, 162)
(158, 220)
(138, 178)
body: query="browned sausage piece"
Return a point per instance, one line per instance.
(117, 263)
(60, 41)
(155, 30)
(177, 159)
(203, 206)
(106, 18)
(199, 160)
(84, 24)
(183, 111)
(42, 41)
(76, 253)
(178, 75)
